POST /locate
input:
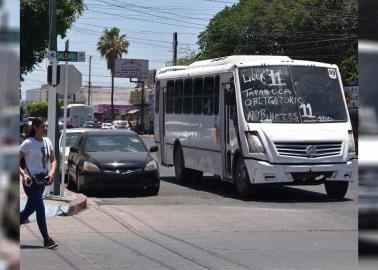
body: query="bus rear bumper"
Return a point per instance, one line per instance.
(263, 172)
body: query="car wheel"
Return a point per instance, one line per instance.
(241, 179)
(70, 183)
(336, 189)
(153, 190)
(78, 186)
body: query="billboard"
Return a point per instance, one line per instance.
(131, 68)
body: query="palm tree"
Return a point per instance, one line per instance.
(111, 46)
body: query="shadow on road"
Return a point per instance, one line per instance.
(116, 193)
(31, 247)
(266, 193)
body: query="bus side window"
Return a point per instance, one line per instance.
(216, 95)
(188, 96)
(157, 96)
(170, 96)
(178, 96)
(208, 94)
(197, 95)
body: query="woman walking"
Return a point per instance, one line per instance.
(37, 151)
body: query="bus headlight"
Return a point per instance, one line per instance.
(90, 167)
(351, 145)
(254, 142)
(151, 166)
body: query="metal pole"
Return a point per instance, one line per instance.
(142, 108)
(52, 97)
(175, 48)
(89, 82)
(63, 157)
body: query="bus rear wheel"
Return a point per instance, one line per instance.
(179, 163)
(182, 173)
(336, 189)
(241, 180)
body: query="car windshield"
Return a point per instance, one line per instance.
(291, 94)
(71, 138)
(114, 143)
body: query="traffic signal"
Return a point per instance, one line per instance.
(49, 75)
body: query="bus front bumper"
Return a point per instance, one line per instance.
(263, 172)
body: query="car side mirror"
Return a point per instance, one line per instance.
(74, 149)
(154, 149)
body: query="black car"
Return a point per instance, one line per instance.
(112, 158)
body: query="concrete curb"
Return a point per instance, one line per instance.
(78, 204)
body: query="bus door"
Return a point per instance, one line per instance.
(228, 102)
(163, 94)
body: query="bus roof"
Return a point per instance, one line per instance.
(238, 60)
(227, 63)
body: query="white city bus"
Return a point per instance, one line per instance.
(255, 120)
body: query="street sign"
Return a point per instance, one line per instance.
(131, 68)
(70, 56)
(74, 80)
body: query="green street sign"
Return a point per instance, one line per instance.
(70, 56)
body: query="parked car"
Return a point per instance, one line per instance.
(120, 124)
(71, 135)
(89, 124)
(112, 158)
(106, 126)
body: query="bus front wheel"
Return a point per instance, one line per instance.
(336, 189)
(241, 179)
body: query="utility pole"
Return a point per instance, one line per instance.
(142, 108)
(53, 97)
(89, 82)
(175, 48)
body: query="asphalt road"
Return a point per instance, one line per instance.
(202, 225)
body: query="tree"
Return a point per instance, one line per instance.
(190, 57)
(111, 46)
(319, 30)
(37, 109)
(34, 20)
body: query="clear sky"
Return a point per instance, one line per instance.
(148, 25)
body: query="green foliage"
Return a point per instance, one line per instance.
(317, 30)
(34, 25)
(37, 109)
(191, 56)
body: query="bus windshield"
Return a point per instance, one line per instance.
(291, 94)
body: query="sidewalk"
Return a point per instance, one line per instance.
(68, 205)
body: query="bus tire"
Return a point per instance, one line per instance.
(241, 179)
(336, 189)
(179, 162)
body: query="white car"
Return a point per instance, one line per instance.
(106, 126)
(120, 124)
(71, 135)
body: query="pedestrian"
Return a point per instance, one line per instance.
(37, 150)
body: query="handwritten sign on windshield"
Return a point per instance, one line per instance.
(268, 95)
